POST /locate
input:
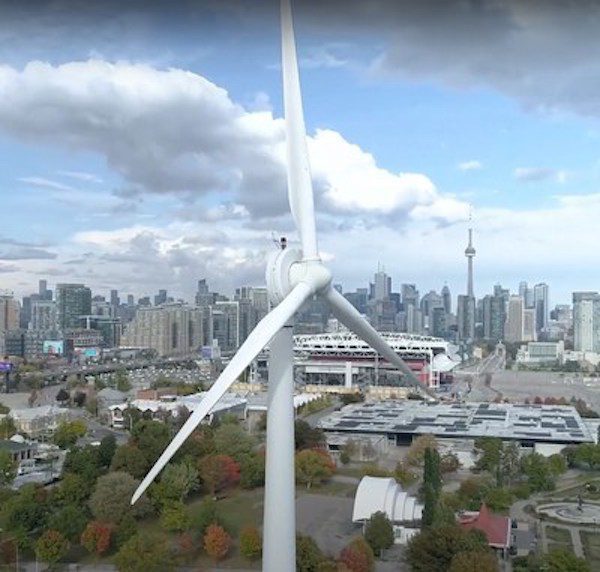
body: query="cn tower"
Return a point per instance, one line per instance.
(470, 254)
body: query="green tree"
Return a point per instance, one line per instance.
(309, 557)
(433, 549)
(7, 427)
(252, 470)
(432, 486)
(206, 515)
(84, 462)
(180, 479)
(557, 464)
(73, 490)
(151, 437)
(145, 553)
(70, 521)
(174, 517)
(379, 532)
(588, 454)
(250, 543)
(537, 470)
(313, 467)
(130, 459)
(233, 441)
(307, 437)
(25, 512)
(69, 432)
(8, 468)
(106, 450)
(51, 547)
(122, 381)
(510, 462)
(474, 561)
(498, 498)
(490, 456)
(562, 560)
(111, 499)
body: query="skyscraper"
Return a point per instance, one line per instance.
(72, 301)
(513, 331)
(494, 317)
(586, 321)
(541, 306)
(447, 299)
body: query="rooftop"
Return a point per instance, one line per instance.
(548, 423)
(495, 527)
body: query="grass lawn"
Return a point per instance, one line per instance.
(560, 535)
(591, 548)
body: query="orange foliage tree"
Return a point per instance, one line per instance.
(216, 542)
(96, 537)
(219, 472)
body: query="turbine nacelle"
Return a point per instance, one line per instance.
(287, 268)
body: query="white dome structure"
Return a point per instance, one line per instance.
(376, 494)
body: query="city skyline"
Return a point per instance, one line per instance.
(114, 187)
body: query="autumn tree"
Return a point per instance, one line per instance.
(250, 543)
(216, 542)
(96, 537)
(309, 557)
(51, 547)
(219, 472)
(313, 466)
(357, 556)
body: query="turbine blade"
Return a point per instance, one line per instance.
(256, 341)
(300, 192)
(350, 317)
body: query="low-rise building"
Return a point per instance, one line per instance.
(39, 422)
(497, 528)
(22, 453)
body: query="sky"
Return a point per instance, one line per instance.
(142, 143)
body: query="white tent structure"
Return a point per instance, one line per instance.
(377, 494)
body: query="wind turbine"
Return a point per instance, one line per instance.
(293, 276)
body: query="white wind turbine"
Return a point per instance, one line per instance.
(293, 276)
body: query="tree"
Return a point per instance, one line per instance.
(449, 463)
(561, 560)
(84, 462)
(63, 396)
(433, 549)
(73, 490)
(180, 480)
(313, 466)
(145, 553)
(26, 511)
(151, 437)
(79, 398)
(174, 517)
(490, 453)
(498, 498)
(252, 470)
(404, 474)
(96, 537)
(307, 437)
(537, 470)
(233, 441)
(7, 427)
(309, 557)
(588, 454)
(510, 462)
(250, 543)
(219, 472)
(432, 486)
(130, 459)
(216, 542)
(51, 547)
(416, 452)
(70, 521)
(379, 532)
(106, 450)
(8, 468)
(357, 556)
(111, 499)
(557, 464)
(68, 432)
(205, 516)
(474, 561)
(122, 381)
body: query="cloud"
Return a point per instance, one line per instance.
(323, 57)
(472, 165)
(8, 268)
(534, 174)
(78, 175)
(25, 253)
(44, 183)
(176, 132)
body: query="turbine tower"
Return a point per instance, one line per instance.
(293, 276)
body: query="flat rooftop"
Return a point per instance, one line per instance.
(543, 423)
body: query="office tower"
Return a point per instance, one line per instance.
(529, 330)
(513, 330)
(226, 325)
(130, 300)
(10, 313)
(382, 286)
(114, 298)
(447, 299)
(72, 301)
(171, 329)
(43, 315)
(203, 295)
(438, 325)
(144, 301)
(160, 298)
(541, 306)
(358, 299)
(43, 292)
(410, 295)
(586, 321)
(25, 313)
(494, 317)
(429, 302)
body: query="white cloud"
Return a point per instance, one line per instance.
(472, 165)
(532, 174)
(80, 176)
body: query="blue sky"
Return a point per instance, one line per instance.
(142, 148)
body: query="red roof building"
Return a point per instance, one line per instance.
(495, 527)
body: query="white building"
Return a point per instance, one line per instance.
(39, 422)
(586, 321)
(541, 352)
(513, 330)
(376, 494)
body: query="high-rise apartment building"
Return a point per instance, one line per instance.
(529, 322)
(586, 321)
(541, 305)
(447, 299)
(72, 301)
(10, 313)
(43, 316)
(494, 317)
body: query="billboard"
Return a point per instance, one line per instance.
(87, 352)
(53, 347)
(5, 366)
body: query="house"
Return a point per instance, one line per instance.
(495, 527)
(39, 422)
(378, 494)
(21, 451)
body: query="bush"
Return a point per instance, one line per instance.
(250, 543)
